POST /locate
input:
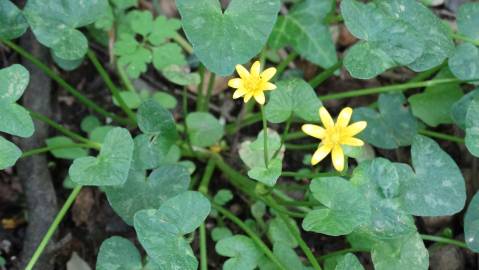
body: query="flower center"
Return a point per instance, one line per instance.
(253, 83)
(335, 135)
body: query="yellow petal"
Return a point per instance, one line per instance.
(268, 74)
(320, 154)
(326, 118)
(355, 128)
(235, 83)
(352, 141)
(337, 157)
(269, 86)
(260, 98)
(255, 69)
(247, 97)
(344, 117)
(314, 131)
(239, 93)
(242, 72)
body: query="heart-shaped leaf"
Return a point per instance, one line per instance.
(153, 119)
(112, 164)
(349, 262)
(471, 224)
(243, 252)
(151, 151)
(222, 40)
(293, 97)
(392, 127)
(14, 119)
(408, 252)
(161, 231)
(472, 127)
(163, 183)
(9, 153)
(12, 22)
(204, 129)
(394, 33)
(437, 188)
(118, 253)
(464, 62)
(345, 210)
(304, 28)
(54, 24)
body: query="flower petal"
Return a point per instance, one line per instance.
(269, 86)
(239, 93)
(268, 74)
(314, 131)
(352, 141)
(337, 157)
(235, 83)
(320, 154)
(344, 117)
(247, 97)
(260, 98)
(355, 128)
(242, 72)
(255, 69)
(326, 118)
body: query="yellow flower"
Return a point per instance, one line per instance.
(253, 83)
(334, 135)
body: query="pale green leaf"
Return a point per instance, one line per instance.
(472, 127)
(349, 262)
(471, 224)
(243, 252)
(9, 153)
(459, 109)
(12, 22)
(408, 252)
(464, 62)
(167, 55)
(153, 119)
(67, 152)
(178, 76)
(204, 129)
(118, 253)
(468, 20)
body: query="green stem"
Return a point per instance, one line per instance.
(265, 136)
(464, 38)
(51, 148)
(70, 89)
(64, 130)
(53, 227)
(185, 113)
(308, 146)
(203, 248)
(200, 88)
(444, 240)
(441, 136)
(109, 83)
(321, 77)
(205, 180)
(256, 239)
(125, 79)
(283, 136)
(250, 120)
(183, 43)
(206, 103)
(341, 252)
(284, 64)
(389, 88)
(203, 188)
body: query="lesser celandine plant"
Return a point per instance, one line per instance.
(160, 173)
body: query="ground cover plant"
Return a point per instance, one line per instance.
(242, 134)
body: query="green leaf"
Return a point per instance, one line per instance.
(155, 120)
(118, 253)
(131, 99)
(98, 134)
(471, 224)
(54, 24)
(152, 151)
(161, 231)
(176, 75)
(279, 232)
(459, 109)
(9, 153)
(394, 33)
(67, 65)
(391, 127)
(166, 100)
(167, 55)
(141, 22)
(222, 40)
(163, 29)
(472, 127)
(223, 196)
(425, 105)
(464, 62)
(468, 20)
(68, 152)
(292, 97)
(112, 164)
(437, 188)
(12, 22)
(15, 119)
(132, 55)
(165, 182)
(124, 4)
(267, 175)
(408, 252)
(287, 256)
(219, 233)
(301, 28)
(89, 123)
(349, 262)
(204, 129)
(243, 252)
(345, 210)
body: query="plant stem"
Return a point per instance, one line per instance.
(51, 148)
(70, 89)
(205, 180)
(256, 239)
(200, 88)
(203, 188)
(211, 84)
(464, 38)
(185, 114)
(321, 77)
(283, 136)
(183, 43)
(124, 78)
(444, 240)
(284, 64)
(265, 136)
(309, 146)
(442, 136)
(234, 127)
(109, 83)
(203, 248)
(64, 130)
(53, 227)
